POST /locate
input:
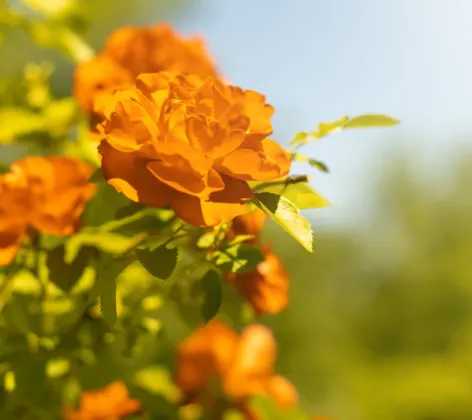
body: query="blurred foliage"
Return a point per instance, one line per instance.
(384, 322)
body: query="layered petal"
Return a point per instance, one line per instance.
(128, 174)
(268, 163)
(211, 138)
(222, 207)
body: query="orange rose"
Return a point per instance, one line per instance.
(266, 288)
(248, 224)
(15, 207)
(47, 194)
(109, 403)
(130, 51)
(190, 143)
(243, 364)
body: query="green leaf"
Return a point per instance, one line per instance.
(206, 240)
(212, 294)
(267, 409)
(371, 120)
(325, 128)
(238, 239)
(107, 273)
(312, 162)
(300, 194)
(16, 122)
(239, 258)
(157, 380)
(97, 176)
(300, 137)
(288, 216)
(160, 262)
(65, 274)
(129, 210)
(108, 242)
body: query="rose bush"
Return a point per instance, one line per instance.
(129, 284)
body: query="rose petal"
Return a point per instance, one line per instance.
(211, 138)
(248, 165)
(128, 174)
(185, 170)
(9, 244)
(208, 213)
(282, 391)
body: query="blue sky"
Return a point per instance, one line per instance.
(319, 60)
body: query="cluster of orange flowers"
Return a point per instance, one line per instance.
(266, 288)
(44, 194)
(239, 366)
(172, 132)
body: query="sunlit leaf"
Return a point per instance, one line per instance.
(371, 120)
(16, 122)
(157, 380)
(325, 128)
(238, 239)
(212, 294)
(206, 240)
(160, 262)
(239, 258)
(288, 216)
(300, 194)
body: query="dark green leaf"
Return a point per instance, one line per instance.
(65, 274)
(239, 258)
(212, 294)
(97, 176)
(160, 262)
(108, 271)
(318, 165)
(312, 162)
(128, 210)
(288, 216)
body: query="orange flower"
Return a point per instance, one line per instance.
(248, 224)
(190, 143)
(109, 403)
(266, 288)
(47, 194)
(130, 51)
(244, 365)
(15, 206)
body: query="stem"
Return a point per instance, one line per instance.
(294, 179)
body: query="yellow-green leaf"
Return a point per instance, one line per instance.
(288, 216)
(371, 120)
(16, 122)
(300, 194)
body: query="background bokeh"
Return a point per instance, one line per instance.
(380, 322)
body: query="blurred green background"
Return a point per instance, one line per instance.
(380, 321)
